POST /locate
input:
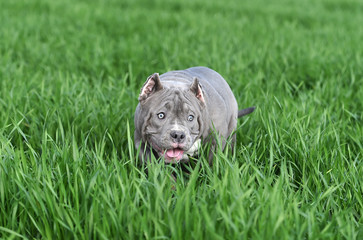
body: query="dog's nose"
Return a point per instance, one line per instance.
(178, 136)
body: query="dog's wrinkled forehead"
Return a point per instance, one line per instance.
(179, 101)
(173, 100)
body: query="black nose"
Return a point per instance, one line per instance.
(178, 136)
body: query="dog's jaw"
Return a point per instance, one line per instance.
(178, 155)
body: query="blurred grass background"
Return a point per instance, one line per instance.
(70, 74)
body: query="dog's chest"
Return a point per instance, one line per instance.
(192, 152)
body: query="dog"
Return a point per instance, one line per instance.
(179, 110)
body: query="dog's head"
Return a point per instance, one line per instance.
(171, 118)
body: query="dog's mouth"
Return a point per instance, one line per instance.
(173, 155)
(177, 152)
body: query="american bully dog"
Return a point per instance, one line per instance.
(180, 109)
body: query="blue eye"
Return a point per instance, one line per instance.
(161, 115)
(190, 118)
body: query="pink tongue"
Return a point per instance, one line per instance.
(174, 153)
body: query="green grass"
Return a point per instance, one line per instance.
(70, 74)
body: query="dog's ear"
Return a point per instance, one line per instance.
(151, 85)
(196, 89)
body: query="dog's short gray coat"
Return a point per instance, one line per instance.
(179, 108)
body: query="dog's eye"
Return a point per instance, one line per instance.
(161, 115)
(190, 118)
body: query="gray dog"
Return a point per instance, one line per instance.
(179, 109)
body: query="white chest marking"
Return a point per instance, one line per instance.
(192, 151)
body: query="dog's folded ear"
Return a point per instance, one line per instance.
(151, 85)
(196, 89)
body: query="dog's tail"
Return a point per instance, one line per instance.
(245, 111)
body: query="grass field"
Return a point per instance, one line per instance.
(70, 74)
